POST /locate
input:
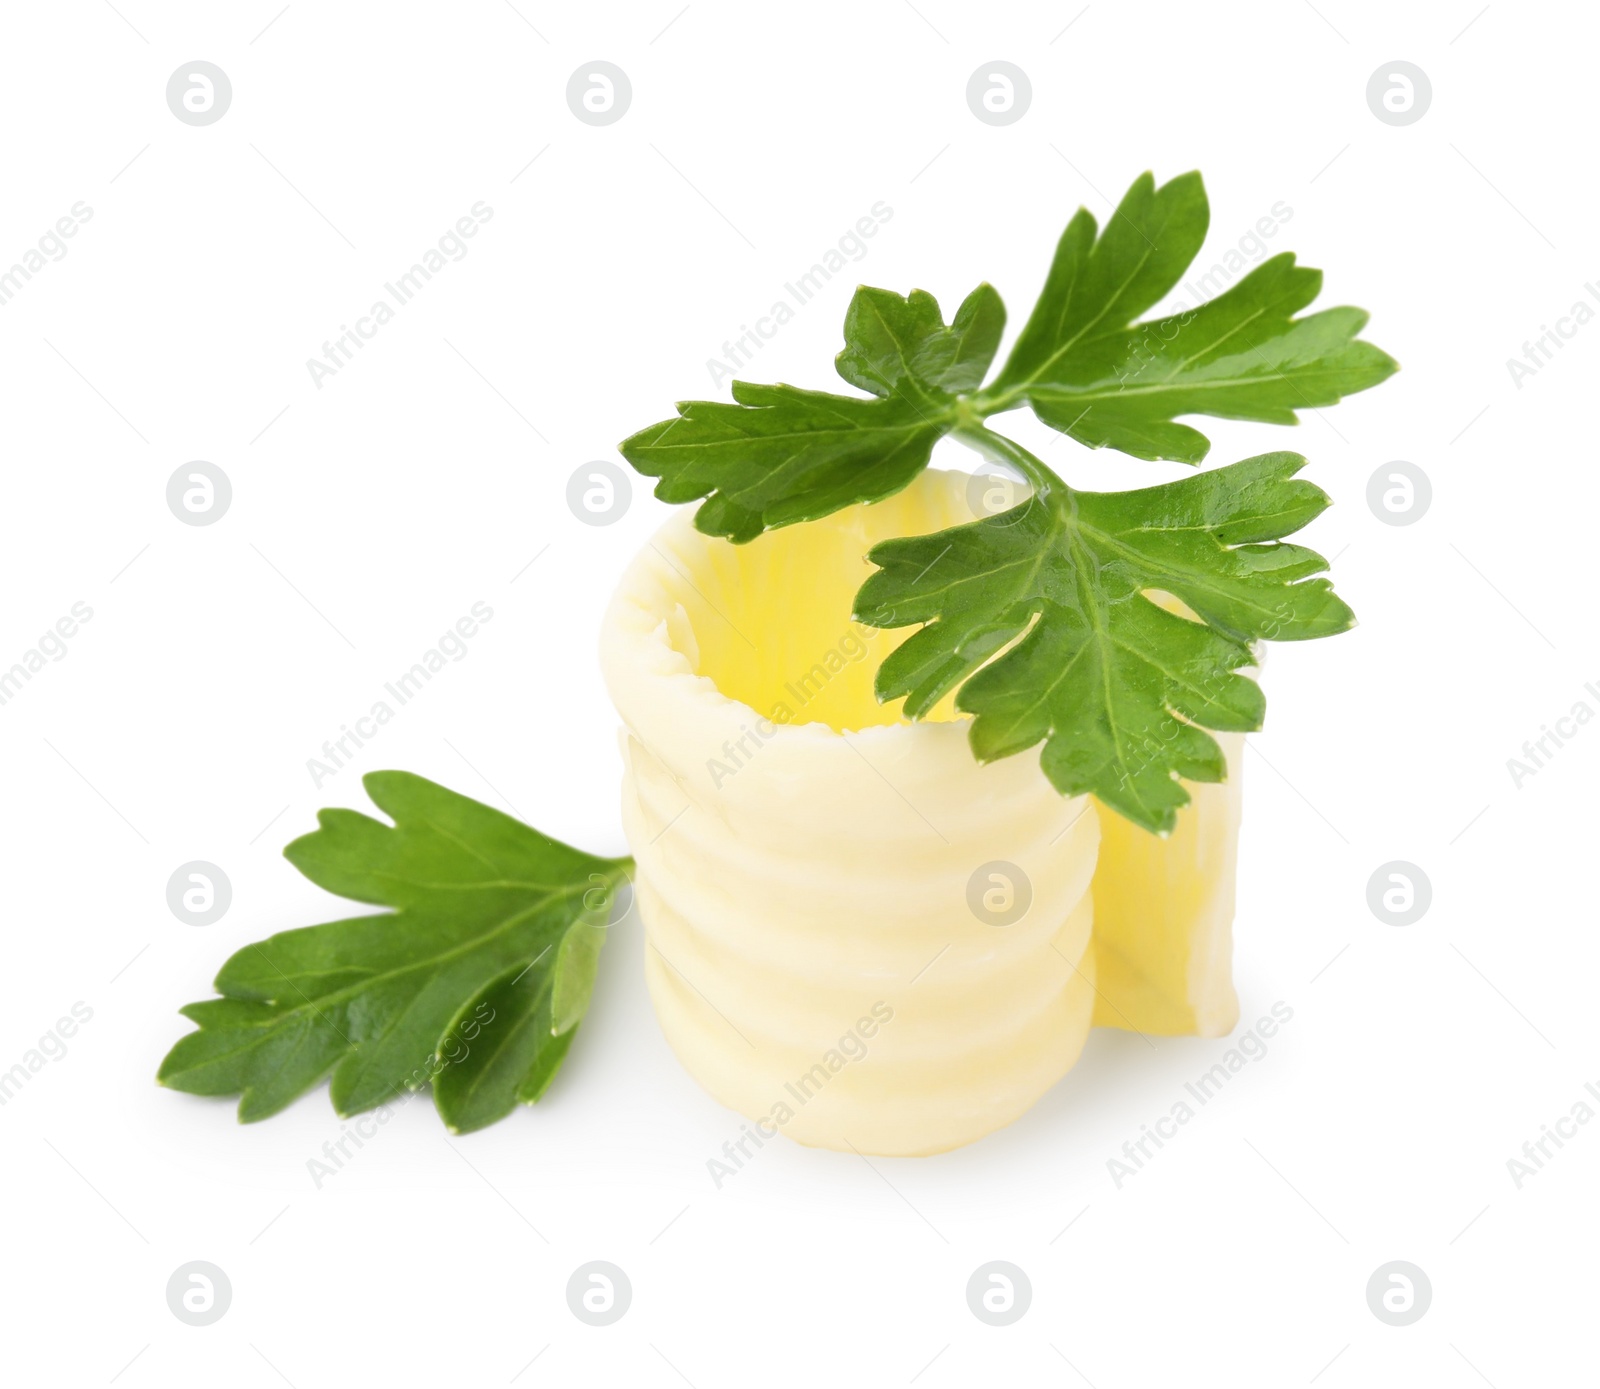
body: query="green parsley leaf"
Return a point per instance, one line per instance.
(1119, 688)
(778, 455)
(1089, 370)
(469, 982)
(891, 339)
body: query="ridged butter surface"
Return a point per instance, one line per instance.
(804, 854)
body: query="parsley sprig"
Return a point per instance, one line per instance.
(473, 982)
(1118, 687)
(1048, 619)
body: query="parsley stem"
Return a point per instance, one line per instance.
(999, 449)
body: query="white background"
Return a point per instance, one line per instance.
(370, 514)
